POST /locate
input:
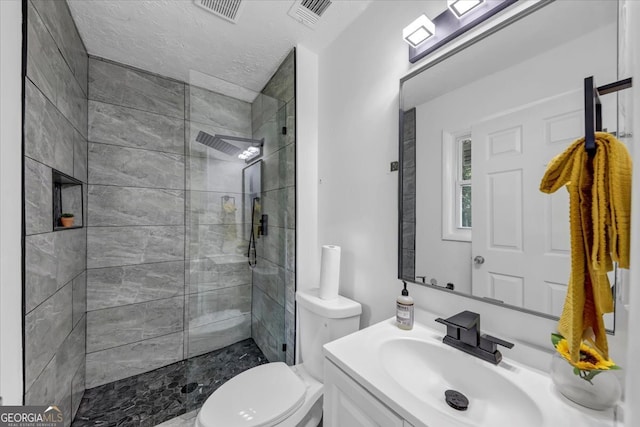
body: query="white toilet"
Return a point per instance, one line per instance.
(275, 394)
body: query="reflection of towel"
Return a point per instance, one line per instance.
(257, 216)
(600, 208)
(229, 219)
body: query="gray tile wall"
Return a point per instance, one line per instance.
(409, 195)
(135, 234)
(273, 307)
(155, 205)
(55, 262)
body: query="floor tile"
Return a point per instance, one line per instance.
(151, 398)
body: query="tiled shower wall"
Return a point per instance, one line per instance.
(55, 137)
(409, 195)
(154, 205)
(273, 118)
(135, 237)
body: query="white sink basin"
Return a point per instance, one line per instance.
(409, 371)
(427, 369)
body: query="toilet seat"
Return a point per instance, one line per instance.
(260, 397)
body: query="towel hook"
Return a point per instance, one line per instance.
(593, 108)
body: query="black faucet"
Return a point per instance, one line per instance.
(463, 333)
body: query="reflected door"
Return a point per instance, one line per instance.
(521, 234)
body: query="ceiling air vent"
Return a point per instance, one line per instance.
(225, 9)
(309, 12)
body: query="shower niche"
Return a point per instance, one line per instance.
(68, 199)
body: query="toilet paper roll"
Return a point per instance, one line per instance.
(329, 272)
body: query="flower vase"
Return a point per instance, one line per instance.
(599, 392)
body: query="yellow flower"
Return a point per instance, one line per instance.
(590, 359)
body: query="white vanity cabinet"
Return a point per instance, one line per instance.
(348, 404)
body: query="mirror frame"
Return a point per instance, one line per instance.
(485, 30)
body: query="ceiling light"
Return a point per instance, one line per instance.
(418, 31)
(461, 7)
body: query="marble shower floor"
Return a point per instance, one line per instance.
(154, 397)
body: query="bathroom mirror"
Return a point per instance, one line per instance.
(477, 131)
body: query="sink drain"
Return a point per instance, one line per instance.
(456, 400)
(189, 388)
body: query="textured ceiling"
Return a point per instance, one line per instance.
(176, 38)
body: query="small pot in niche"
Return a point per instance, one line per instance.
(66, 219)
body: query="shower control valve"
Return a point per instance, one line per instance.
(263, 228)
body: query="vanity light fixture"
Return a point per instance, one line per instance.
(419, 31)
(462, 7)
(460, 17)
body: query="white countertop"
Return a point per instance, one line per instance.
(358, 356)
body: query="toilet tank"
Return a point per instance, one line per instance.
(322, 321)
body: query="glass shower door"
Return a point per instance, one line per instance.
(240, 232)
(218, 340)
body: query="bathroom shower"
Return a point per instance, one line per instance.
(226, 144)
(148, 334)
(147, 305)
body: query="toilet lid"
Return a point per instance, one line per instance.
(259, 397)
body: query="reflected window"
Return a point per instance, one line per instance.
(463, 196)
(456, 185)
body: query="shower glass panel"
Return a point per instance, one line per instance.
(240, 231)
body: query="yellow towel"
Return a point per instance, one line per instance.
(600, 208)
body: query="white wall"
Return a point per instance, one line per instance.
(307, 246)
(308, 249)
(357, 209)
(358, 138)
(632, 68)
(10, 202)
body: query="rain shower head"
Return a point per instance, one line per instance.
(219, 142)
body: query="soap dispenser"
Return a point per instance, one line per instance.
(404, 309)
